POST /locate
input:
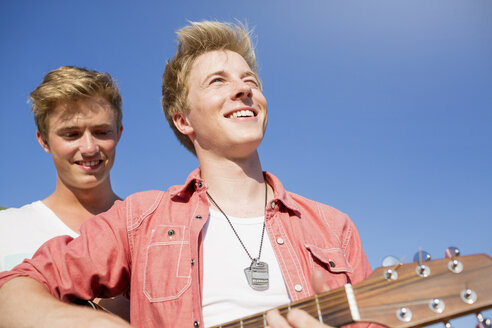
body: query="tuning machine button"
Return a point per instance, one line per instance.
(393, 262)
(421, 257)
(422, 269)
(454, 265)
(452, 252)
(483, 322)
(389, 261)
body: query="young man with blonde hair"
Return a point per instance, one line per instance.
(78, 118)
(229, 242)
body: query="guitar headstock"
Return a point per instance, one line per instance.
(419, 294)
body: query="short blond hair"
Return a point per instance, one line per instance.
(193, 41)
(69, 84)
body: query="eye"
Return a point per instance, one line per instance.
(252, 82)
(216, 79)
(70, 135)
(102, 132)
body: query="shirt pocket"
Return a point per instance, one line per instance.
(332, 260)
(168, 263)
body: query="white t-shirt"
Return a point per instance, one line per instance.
(23, 230)
(226, 293)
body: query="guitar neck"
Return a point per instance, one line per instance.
(413, 295)
(331, 307)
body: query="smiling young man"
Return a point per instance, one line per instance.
(78, 117)
(229, 242)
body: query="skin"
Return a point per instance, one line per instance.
(220, 83)
(81, 138)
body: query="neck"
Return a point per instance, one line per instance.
(73, 206)
(236, 185)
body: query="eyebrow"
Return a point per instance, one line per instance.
(75, 127)
(222, 72)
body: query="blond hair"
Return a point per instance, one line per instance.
(68, 84)
(193, 41)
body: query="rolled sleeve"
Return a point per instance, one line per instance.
(96, 264)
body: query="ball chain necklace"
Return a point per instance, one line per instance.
(257, 271)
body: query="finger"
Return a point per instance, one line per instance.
(301, 319)
(275, 319)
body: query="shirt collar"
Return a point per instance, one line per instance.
(194, 182)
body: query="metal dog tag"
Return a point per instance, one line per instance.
(257, 275)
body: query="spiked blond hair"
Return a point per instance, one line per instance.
(193, 41)
(67, 84)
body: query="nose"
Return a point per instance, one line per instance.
(88, 145)
(242, 90)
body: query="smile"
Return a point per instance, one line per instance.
(242, 113)
(88, 163)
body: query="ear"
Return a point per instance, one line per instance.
(182, 123)
(43, 142)
(119, 133)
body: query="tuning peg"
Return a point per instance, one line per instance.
(394, 263)
(452, 252)
(390, 260)
(483, 322)
(454, 264)
(421, 256)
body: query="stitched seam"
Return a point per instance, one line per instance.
(145, 214)
(129, 232)
(296, 261)
(325, 220)
(183, 242)
(347, 239)
(185, 287)
(287, 273)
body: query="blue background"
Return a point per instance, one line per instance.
(382, 109)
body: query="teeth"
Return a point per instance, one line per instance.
(242, 113)
(89, 163)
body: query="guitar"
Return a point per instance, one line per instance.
(406, 295)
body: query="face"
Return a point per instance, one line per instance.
(82, 138)
(227, 111)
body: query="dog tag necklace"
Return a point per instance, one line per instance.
(257, 271)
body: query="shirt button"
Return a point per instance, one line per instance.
(298, 288)
(170, 232)
(280, 241)
(332, 264)
(273, 205)
(200, 184)
(196, 324)
(198, 217)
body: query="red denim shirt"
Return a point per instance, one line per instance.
(151, 244)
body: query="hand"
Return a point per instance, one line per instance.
(297, 318)
(24, 302)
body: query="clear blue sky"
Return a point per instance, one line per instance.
(382, 109)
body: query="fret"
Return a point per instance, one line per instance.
(320, 317)
(377, 299)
